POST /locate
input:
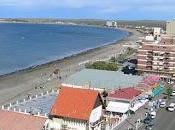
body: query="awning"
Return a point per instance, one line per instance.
(118, 107)
(138, 105)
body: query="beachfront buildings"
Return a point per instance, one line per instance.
(170, 27)
(76, 109)
(111, 24)
(157, 57)
(120, 101)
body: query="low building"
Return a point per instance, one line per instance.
(170, 27)
(101, 79)
(10, 120)
(123, 102)
(151, 86)
(77, 109)
(157, 57)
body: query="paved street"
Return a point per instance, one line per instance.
(165, 120)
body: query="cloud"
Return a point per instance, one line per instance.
(101, 6)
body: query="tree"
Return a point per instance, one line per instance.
(113, 59)
(169, 91)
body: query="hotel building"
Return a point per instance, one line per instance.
(157, 57)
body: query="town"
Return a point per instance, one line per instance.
(133, 90)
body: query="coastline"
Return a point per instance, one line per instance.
(22, 82)
(82, 52)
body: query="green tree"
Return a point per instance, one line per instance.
(169, 91)
(113, 59)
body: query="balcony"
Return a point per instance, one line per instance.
(166, 66)
(149, 58)
(166, 55)
(149, 67)
(166, 61)
(149, 63)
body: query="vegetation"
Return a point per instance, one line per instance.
(113, 63)
(169, 91)
(102, 65)
(122, 57)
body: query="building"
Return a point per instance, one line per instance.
(170, 27)
(111, 24)
(77, 109)
(157, 32)
(157, 57)
(20, 121)
(101, 79)
(123, 102)
(151, 86)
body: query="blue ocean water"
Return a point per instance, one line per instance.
(25, 45)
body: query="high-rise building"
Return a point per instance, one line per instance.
(170, 27)
(157, 57)
(111, 24)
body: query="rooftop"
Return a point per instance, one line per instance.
(17, 121)
(103, 79)
(41, 104)
(74, 103)
(125, 93)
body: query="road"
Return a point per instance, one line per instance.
(165, 120)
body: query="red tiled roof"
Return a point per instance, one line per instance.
(74, 103)
(17, 121)
(124, 93)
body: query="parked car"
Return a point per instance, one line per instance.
(153, 114)
(147, 120)
(162, 104)
(171, 107)
(173, 93)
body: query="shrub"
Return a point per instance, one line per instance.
(101, 65)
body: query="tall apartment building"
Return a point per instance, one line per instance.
(157, 57)
(170, 27)
(111, 24)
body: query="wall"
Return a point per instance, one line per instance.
(71, 124)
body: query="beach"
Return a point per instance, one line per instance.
(40, 78)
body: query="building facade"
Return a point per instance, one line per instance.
(76, 109)
(157, 57)
(170, 27)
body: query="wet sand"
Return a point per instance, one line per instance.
(38, 79)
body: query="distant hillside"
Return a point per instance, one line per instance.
(96, 22)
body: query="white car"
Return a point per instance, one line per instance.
(173, 93)
(171, 107)
(153, 114)
(162, 104)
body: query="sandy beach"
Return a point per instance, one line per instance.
(38, 79)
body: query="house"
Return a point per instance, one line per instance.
(77, 109)
(10, 120)
(121, 102)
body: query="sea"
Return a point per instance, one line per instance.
(27, 45)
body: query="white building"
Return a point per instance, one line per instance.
(76, 109)
(111, 24)
(157, 32)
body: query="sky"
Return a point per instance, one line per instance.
(89, 9)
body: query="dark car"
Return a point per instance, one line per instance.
(149, 121)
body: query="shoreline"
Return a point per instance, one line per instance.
(83, 52)
(38, 79)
